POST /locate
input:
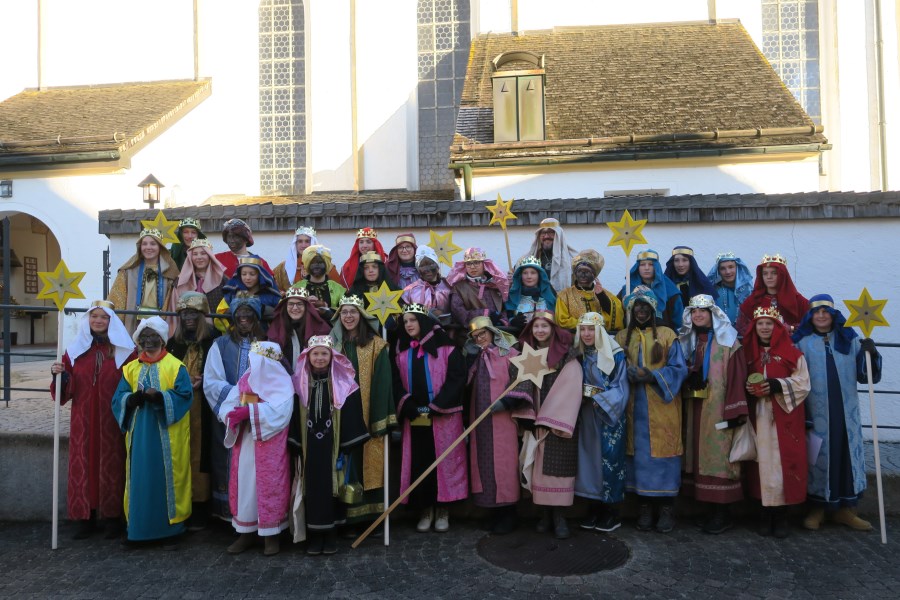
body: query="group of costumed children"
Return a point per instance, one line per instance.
(716, 386)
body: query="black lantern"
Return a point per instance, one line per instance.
(151, 186)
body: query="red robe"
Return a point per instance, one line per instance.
(230, 262)
(96, 444)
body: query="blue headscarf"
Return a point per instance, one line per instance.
(843, 336)
(515, 290)
(698, 283)
(743, 284)
(268, 293)
(251, 302)
(663, 287)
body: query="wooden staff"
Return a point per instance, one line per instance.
(508, 253)
(54, 538)
(387, 454)
(875, 445)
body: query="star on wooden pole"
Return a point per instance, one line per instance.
(627, 232)
(501, 212)
(531, 364)
(60, 285)
(165, 226)
(443, 246)
(384, 303)
(865, 313)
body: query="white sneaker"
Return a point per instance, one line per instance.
(442, 521)
(425, 520)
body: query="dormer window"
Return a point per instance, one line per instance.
(518, 83)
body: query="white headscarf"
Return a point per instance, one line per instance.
(118, 337)
(423, 251)
(606, 346)
(290, 263)
(725, 333)
(561, 267)
(154, 323)
(268, 378)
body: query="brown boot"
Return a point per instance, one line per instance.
(846, 516)
(814, 519)
(242, 544)
(273, 546)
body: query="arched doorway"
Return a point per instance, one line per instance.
(33, 248)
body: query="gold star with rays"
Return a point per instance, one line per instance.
(501, 212)
(60, 285)
(627, 232)
(532, 364)
(865, 313)
(384, 303)
(165, 226)
(443, 246)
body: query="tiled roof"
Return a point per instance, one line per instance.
(607, 83)
(103, 122)
(332, 197)
(443, 214)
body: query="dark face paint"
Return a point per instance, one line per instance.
(584, 276)
(190, 318)
(149, 341)
(642, 312)
(317, 267)
(244, 320)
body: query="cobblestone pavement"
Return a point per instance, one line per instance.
(831, 563)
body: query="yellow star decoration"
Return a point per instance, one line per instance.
(501, 212)
(444, 247)
(165, 226)
(627, 232)
(865, 313)
(60, 285)
(384, 302)
(532, 364)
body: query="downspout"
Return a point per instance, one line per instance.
(879, 82)
(466, 169)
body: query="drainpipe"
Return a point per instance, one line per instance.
(879, 82)
(466, 169)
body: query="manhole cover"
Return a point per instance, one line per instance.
(526, 551)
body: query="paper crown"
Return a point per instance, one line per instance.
(405, 238)
(701, 301)
(682, 250)
(296, 292)
(201, 243)
(189, 222)
(479, 323)
(773, 258)
(320, 341)
(369, 257)
(103, 304)
(543, 314)
(648, 255)
(549, 223)
(250, 260)
(152, 232)
(474, 255)
(725, 256)
(769, 312)
(820, 303)
(591, 318)
(305, 231)
(267, 349)
(351, 300)
(367, 232)
(530, 261)
(415, 308)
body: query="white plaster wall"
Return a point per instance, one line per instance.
(796, 175)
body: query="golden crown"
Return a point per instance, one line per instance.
(543, 314)
(269, 350)
(591, 318)
(320, 341)
(530, 261)
(769, 312)
(773, 258)
(296, 292)
(250, 260)
(648, 255)
(370, 256)
(701, 301)
(416, 308)
(189, 222)
(725, 256)
(201, 243)
(407, 238)
(152, 232)
(474, 255)
(479, 323)
(549, 223)
(367, 232)
(351, 300)
(103, 304)
(682, 250)
(305, 231)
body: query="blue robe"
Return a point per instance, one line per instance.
(730, 298)
(729, 302)
(838, 476)
(601, 433)
(158, 469)
(646, 475)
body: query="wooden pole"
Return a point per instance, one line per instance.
(508, 253)
(56, 402)
(875, 446)
(431, 468)
(387, 458)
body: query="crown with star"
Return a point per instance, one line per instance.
(701, 301)
(201, 243)
(367, 232)
(351, 300)
(152, 232)
(267, 351)
(296, 292)
(474, 255)
(189, 222)
(320, 341)
(530, 261)
(305, 231)
(415, 308)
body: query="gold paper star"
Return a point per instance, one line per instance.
(384, 302)
(60, 285)
(165, 226)
(532, 364)
(627, 232)
(501, 212)
(443, 246)
(865, 313)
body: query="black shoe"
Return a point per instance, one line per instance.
(765, 523)
(330, 544)
(666, 521)
(84, 530)
(543, 525)
(199, 517)
(316, 544)
(560, 527)
(114, 528)
(590, 523)
(781, 528)
(506, 523)
(719, 522)
(645, 517)
(608, 522)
